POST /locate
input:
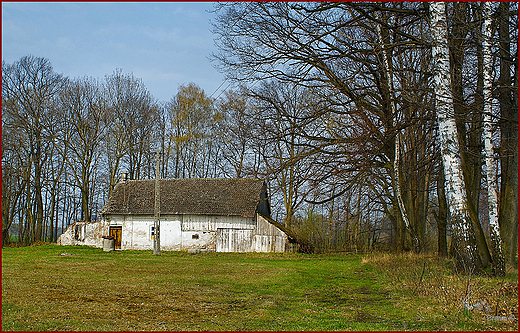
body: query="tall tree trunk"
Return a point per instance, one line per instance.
(38, 190)
(508, 99)
(85, 204)
(463, 241)
(85, 207)
(458, 40)
(442, 216)
(55, 235)
(397, 152)
(496, 241)
(422, 207)
(51, 216)
(468, 143)
(358, 216)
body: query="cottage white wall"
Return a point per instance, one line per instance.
(265, 237)
(206, 226)
(234, 240)
(213, 222)
(177, 231)
(265, 243)
(183, 232)
(137, 235)
(67, 237)
(205, 240)
(94, 233)
(218, 233)
(136, 232)
(171, 235)
(268, 238)
(91, 234)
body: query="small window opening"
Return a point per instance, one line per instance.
(76, 232)
(195, 236)
(79, 232)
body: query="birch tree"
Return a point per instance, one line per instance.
(463, 239)
(468, 122)
(496, 241)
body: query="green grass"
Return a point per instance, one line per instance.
(134, 290)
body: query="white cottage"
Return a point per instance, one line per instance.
(206, 214)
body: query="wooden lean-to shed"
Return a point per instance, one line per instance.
(196, 214)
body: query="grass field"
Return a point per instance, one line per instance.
(89, 289)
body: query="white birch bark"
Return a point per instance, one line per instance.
(463, 239)
(496, 242)
(397, 150)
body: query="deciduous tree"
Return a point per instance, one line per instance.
(463, 243)
(30, 87)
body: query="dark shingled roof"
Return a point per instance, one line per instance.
(205, 196)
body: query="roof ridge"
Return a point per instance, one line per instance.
(213, 196)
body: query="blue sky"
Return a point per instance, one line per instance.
(166, 44)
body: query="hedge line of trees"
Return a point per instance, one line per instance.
(337, 105)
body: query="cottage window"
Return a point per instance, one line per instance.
(195, 236)
(152, 232)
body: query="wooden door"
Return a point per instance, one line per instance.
(116, 233)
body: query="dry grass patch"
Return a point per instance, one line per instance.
(425, 284)
(91, 290)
